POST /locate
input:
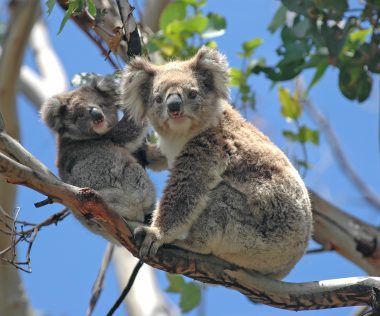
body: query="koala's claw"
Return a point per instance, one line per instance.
(148, 240)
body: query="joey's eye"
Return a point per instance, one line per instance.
(192, 94)
(158, 99)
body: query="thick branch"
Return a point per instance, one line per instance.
(13, 299)
(349, 236)
(313, 295)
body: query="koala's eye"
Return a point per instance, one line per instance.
(192, 94)
(158, 99)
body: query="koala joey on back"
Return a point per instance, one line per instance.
(231, 192)
(97, 151)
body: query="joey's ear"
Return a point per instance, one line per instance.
(136, 86)
(212, 67)
(52, 113)
(106, 84)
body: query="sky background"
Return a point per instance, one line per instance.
(66, 258)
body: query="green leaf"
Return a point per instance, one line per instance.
(195, 3)
(303, 7)
(72, 7)
(173, 11)
(250, 46)
(290, 106)
(237, 77)
(216, 26)
(321, 69)
(179, 31)
(196, 24)
(290, 135)
(355, 83)
(360, 36)
(190, 298)
(278, 19)
(176, 283)
(303, 135)
(50, 5)
(308, 135)
(91, 7)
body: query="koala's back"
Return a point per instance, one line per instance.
(110, 169)
(259, 215)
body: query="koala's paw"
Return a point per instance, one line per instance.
(148, 239)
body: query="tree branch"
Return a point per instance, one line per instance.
(51, 78)
(111, 21)
(369, 195)
(303, 296)
(13, 299)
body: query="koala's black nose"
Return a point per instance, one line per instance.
(174, 103)
(96, 114)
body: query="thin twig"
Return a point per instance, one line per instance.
(98, 285)
(126, 290)
(369, 195)
(29, 236)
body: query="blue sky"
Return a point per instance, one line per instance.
(66, 258)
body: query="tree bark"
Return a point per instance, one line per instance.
(13, 299)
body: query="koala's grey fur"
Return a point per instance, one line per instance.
(97, 151)
(231, 192)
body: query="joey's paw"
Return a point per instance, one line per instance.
(148, 239)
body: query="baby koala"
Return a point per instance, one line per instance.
(97, 151)
(231, 192)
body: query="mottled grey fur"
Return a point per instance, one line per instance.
(100, 152)
(231, 192)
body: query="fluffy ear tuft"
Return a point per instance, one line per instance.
(105, 84)
(52, 113)
(136, 85)
(212, 66)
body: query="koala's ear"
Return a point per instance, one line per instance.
(212, 67)
(107, 84)
(136, 85)
(52, 113)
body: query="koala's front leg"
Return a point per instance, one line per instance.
(128, 132)
(196, 171)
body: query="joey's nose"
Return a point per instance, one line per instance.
(96, 114)
(174, 103)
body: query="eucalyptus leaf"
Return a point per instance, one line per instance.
(319, 72)
(278, 20)
(50, 5)
(190, 297)
(216, 26)
(249, 47)
(69, 12)
(91, 7)
(176, 283)
(173, 11)
(290, 106)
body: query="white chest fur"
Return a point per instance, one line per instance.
(171, 147)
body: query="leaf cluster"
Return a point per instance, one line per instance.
(184, 27)
(318, 34)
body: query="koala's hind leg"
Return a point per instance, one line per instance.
(224, 206)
